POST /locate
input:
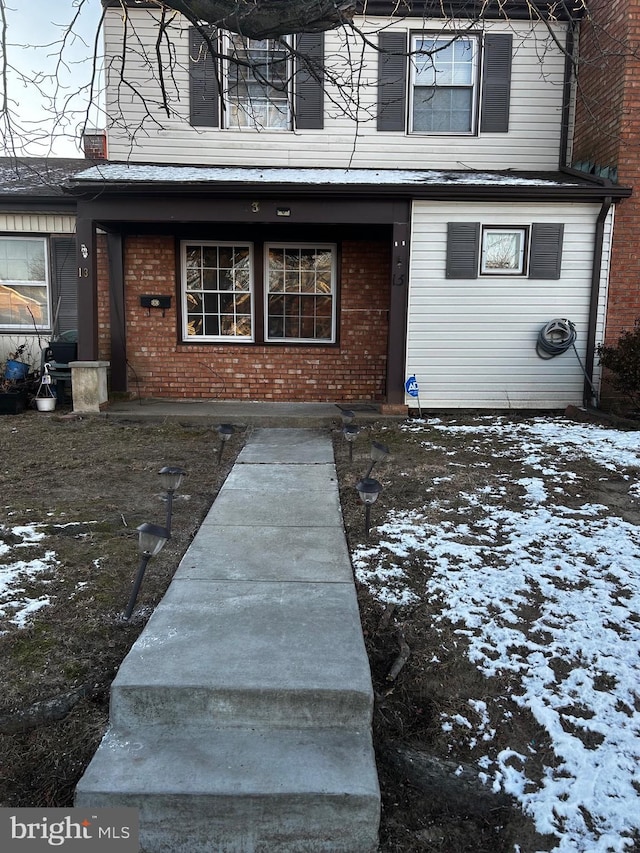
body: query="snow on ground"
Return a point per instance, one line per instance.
(577, 658)
(16, 605)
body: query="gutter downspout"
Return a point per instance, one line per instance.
(588, 394)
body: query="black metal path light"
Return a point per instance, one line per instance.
(347, 416)
(379, 452)
(151, 540)
(225, 431)
(170, 477)
(368, 490)
(350, 431)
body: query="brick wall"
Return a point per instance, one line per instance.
(600, 96)
(608, 133)
(160, 365)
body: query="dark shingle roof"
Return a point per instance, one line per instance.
(37, 178)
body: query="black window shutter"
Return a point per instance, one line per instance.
(496, 83)
(309, 81)
(64, 279)
(545, 260)
(392, 80)
(204, 86)
(463, 246)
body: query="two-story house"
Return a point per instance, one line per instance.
(319, 222)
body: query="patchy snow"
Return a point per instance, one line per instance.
(134, 173)
(575, 571)
(16, 606)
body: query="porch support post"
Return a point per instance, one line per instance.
(397, 341)
(118, 327)
(87, 287)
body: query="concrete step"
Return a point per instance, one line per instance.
(240, 790)
(283, 654)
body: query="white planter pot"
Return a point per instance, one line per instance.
(45, 404)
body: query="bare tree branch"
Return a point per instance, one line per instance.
(267, 18)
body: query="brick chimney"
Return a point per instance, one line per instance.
(94, 144)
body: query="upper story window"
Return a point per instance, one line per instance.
(24, 289)
(251, 84)
(437, 84)
(444, 83)
(258, 84)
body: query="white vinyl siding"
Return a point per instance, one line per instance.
(141, 131)
(471, 343)
(41, 223)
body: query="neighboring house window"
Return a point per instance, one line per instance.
(444, 85)
(265, 89)
(503, 251)
(258, 84)
(300, 293)
(448, 95)
(217, 294)
(24, 277)
(534, 251)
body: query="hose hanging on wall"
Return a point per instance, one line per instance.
(558, 336)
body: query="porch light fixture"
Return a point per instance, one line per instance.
(379, 453)
(350, 431)
(170, 477)
(368, 491)
(225, 431)
(151, 540)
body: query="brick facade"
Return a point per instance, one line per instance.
(608, 134)
(160, 365)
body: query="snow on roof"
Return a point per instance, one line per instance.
(37, 176)
(133, 173)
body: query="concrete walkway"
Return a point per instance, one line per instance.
(241, 718)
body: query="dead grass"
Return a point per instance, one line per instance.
(434, 477)
(86, 485)
(89, 483)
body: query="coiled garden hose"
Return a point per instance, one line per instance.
(558, 336)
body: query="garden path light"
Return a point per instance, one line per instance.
(151, 540)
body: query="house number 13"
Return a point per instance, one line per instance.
(83, 272)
